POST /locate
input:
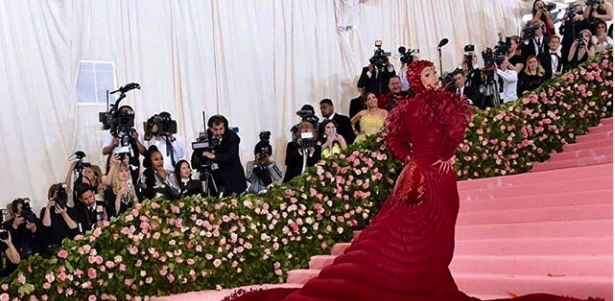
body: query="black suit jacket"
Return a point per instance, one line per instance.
(546, 60)
(528, 47)
(294, 160)
(344, 127)
(230, 171)
(471, 93)
(376, 84)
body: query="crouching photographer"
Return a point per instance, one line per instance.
(57, 219)
(9, 256)
(161, 131)
(262, 172)
(216, 157)
(301, 153)
(25, 228)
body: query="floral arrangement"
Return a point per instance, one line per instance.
(164, 247)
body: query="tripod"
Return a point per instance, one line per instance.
(494, 91)
(206, 177)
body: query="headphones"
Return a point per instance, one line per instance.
(216, 119)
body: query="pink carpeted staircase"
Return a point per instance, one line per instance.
(550, 230)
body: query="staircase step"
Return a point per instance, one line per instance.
(585, 153)
(574, 286)
(572, 163)
(587, 145)
(568, 213)
(555, 246)
(596, 171)
(538, 189)
(595, 136)
(592, 228)
(603, 128)
(606, 121)
(603, 196)
(534, 265)
(543, 246)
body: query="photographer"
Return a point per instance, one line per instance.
(499, 89)
(57, 219)
(375, 77)
(469, 67)
(300, 150)
(10, 257)
(121, 195)
(601, 39)
(156, 181)
(307, 113)
(262, 172)
(330, 141)
(161, 131)
(187, 185)
(581, 50)
(125, 140)
(24, 228)
(88, 214)
(388, 101)
(514, 54)
(328, 113)
(573, 23)
(535, 41)
(406, 58)
(223, 157)
(509, 79)
(597, 10)
(541, 13)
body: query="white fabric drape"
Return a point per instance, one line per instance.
(256, 62)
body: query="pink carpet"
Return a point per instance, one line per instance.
(550, 230)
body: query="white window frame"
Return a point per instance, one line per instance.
(97, 102)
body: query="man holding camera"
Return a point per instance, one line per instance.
(301, 153)
(123, 139)
(459, 82)
(469, 67)
(536, 42)
(262, 172)
(375, 77)
(344, 127)
(57, 218)
(221, 158)
(161, 131)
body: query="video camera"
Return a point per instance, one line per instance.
(264, 137)
(163, 121)
(503, 46)
(593, 2)
(307, 116)
(204, 143)
(529, 29)
(81, 164)
(407, 55)
(380, 58)
(571, 12)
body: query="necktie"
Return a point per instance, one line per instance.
(538, 43)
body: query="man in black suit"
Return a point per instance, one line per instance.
(538, 43)
(344, 127)
(375, 80)
(462, 90)
(552, 61)
(224, 159)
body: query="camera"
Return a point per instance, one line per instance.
(380, 58)
(204, 143)
(61, 196)
(163, 121)
(501, 49)
(307, 116)
(118, 120)
(469, 48)
(580, 39)
(529, 29)
(81, 164)
(4, 233)
(264, 137)
(307, 140)
(99, 213)
(592, 2)
(407, 55)
(27, 212)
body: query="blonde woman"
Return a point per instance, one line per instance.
(531, 77)
(121, 195)
(371, 120)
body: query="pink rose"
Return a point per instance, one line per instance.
(92, 273)
(170, 277)
(92, 298)
(21, 278)
(63, 254)
(175, 209)
(217, 263)
(4, 297)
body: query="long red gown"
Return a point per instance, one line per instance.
(405, 252)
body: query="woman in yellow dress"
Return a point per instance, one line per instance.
(371, 120)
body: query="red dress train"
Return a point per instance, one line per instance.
(405, 252)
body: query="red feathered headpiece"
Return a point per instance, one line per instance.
(413, 74)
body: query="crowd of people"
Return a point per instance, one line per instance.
(155, 165)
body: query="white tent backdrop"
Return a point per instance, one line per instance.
(256, 62)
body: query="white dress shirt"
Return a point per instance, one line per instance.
(510, 85)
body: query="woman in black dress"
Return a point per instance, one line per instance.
(531, 77)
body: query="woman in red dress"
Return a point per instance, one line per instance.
(405, 252)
